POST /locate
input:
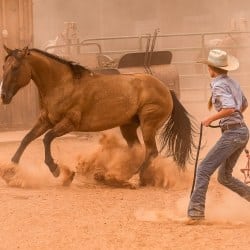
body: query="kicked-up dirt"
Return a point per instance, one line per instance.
(37, 212)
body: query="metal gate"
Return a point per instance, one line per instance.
(187, 49)
(16, 31)
(112, 55)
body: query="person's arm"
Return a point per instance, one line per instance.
(222, 113)
(244, 104)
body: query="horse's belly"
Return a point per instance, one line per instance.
(101, 117)
(104, 122)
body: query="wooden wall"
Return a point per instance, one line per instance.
(16, 31)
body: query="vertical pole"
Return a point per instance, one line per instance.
(1, 33)
(30, 23)
(20, 24)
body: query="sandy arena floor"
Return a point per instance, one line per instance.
(41, 214)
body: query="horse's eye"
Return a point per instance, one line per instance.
(14, 68)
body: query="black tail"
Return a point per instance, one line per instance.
(177, 134)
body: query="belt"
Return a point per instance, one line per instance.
(232, 126)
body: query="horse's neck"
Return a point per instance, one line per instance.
(46, 72)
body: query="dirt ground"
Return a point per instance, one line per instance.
(37, 212)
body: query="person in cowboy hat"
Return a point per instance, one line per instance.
(229, 102)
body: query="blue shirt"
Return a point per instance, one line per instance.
(226, 93)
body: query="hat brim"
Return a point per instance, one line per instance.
(233, 63)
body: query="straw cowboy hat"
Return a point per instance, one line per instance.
(220, 59)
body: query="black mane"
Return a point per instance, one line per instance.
(76, 68)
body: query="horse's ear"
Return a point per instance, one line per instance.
(26, 50)
(7, 49)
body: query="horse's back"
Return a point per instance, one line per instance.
(139, 87)
(132, 82)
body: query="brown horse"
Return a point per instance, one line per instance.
(74, 98)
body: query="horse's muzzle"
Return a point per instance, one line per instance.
(6, 99)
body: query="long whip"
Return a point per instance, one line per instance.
(196, 160)
(197, 155)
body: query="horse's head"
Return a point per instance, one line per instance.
(16, 73)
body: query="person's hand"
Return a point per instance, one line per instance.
(247, 153)
(206, 122)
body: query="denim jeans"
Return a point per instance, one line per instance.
(224, 155)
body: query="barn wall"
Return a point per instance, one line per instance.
(16, 31)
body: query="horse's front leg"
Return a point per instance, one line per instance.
(60, 129)
(40, 128)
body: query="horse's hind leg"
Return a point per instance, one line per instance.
(151, 152)
(150, 123)
(129, 132)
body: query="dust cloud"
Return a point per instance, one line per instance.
(108, 161)
(222, 207)
(25, 176)
(115, 164)
(29, 176)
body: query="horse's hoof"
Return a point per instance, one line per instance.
(132, 186)
(8, 174)
(67, 181)
(142, 181)
(99, 177)
(14, 161)
(56, 172)
(142, 184)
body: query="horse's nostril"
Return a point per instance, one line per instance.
(3, 95)
(6, 99)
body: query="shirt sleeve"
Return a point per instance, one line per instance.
(223, 97)
(244, 103)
